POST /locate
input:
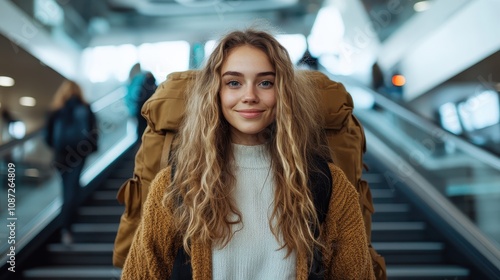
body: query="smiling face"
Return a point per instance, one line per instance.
(247, 94)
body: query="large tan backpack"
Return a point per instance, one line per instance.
(164, 111)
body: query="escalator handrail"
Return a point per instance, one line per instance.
(432, 129)
(443, 135)
(13, 143)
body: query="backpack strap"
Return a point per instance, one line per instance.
(320, 181)
(182, 269)
(165, 152)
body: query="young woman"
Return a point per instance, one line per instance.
(238, 200)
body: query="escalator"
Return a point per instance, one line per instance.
(451, 190)
(411, 247)
(94, 231)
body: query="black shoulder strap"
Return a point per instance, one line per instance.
(182, 269)
(320, 182)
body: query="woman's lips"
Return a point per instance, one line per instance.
(250, 114)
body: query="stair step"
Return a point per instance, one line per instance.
(103, 198)
(383, 196)
(102, 214)
(113, 183)
(385, 212)
(391, 247)
(80, 248)
(80, 253)
(95, 232)
(398, 231)
(427, 272)
(392, 207)
(101, 210)
(103, 195)
(403, 226)
(122, 173)
(410, 252)
(94, 228)
(97, 272)
(373, 178)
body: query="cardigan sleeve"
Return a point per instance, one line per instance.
(151, 253)
(346, 255)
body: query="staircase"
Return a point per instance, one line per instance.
(412, 250)
(94, 231)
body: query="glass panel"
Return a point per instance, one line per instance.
(29, 185)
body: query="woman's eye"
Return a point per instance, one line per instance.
(233, 83)
(266, 84)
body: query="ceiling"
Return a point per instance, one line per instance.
(32, 78)
(101, 22)
(85, 21)
(91, 22)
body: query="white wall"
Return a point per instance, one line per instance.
(358, 47)
(442, 42)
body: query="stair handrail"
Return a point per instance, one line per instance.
(472, 150)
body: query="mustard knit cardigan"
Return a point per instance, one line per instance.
(346, 255)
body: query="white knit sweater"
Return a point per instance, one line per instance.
(253, 251)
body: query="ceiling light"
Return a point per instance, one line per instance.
(6, 81)
(27, 101)
(32, 172)
(17, 129)
(421, 6)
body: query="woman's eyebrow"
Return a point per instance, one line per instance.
(270, 73)
(232, 73)
(238, 74)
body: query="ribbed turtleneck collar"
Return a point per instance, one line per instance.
(251, 156)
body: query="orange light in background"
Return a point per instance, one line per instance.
(398, 80)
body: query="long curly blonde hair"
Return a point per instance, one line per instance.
(203, 180)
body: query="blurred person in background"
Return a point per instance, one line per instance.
(6, 121)
(142, 84)
(11, 129)
(72, 133)
(308, 62)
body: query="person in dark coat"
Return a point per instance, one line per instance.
(72, 133)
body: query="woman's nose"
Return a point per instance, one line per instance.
(250, 95)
